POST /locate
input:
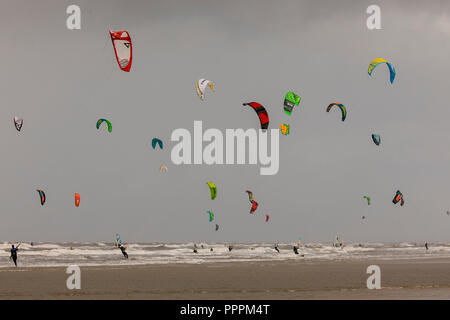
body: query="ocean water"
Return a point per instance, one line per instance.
(106, 254)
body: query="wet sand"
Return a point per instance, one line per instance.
(401, 279)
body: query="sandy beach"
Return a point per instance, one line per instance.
(400, 279)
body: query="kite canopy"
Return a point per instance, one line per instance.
(378, 61)
(156, 141)
(201, 85)
(250, 195)
(398, 197)
(163, 167)
(212, 189)
(341, 106)
(254, 206)
(211, 215)
(117, 240)
(77, 200)
(18, 122)
(290, 100)
(368, 200)
(261, 112)
(376, 139)
(41, 196)
(100, 121)
(284, 129)
(267, 217)
(217, 227)
(122, 48)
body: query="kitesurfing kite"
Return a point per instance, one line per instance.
(156, 141)
(100, 121)
(212, 189)
(341, 106)
(363, 217)
(77, 200)
(117, 240)
(261, 112)
(122, 48)
(201, 85)
(211, 215)
(398, 197)
(267, 217)
(18, 122)
(376, 139)
(253, 202)
(254, 206)
(448, 213)
(378, 61)
(41, 196)
(290, 100)
(217, 227)
(368, 200)
(284, 129)
(162, 167)
(250, 195)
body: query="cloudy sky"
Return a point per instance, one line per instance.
(61, 81)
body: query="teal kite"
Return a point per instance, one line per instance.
(155, 142)
(100, 121)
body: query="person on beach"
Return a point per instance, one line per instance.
(122, 248)
(14, 253)
(276, 248)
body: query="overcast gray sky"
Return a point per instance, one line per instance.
(61, 81)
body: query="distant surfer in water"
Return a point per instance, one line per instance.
(230, 247)
(426, 245)
(276, 248)
(295, 249)
(14, 253)
(195, 248)
(122, 248)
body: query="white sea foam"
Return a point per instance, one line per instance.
(101, 254)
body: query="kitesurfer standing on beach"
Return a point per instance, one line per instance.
(14, 253)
